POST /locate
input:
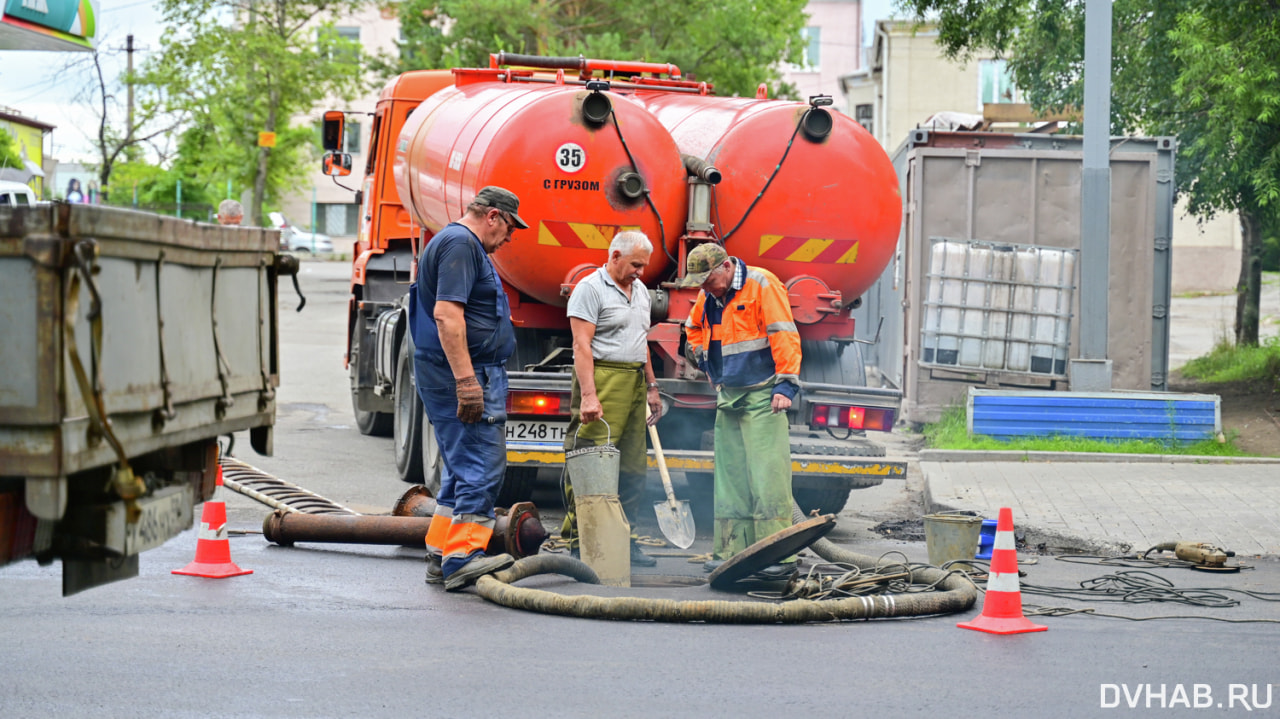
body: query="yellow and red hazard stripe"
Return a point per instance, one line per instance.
(578, 234)
(808, 249)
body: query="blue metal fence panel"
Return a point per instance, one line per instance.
(1105, 415)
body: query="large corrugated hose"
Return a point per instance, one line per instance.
(957, 594)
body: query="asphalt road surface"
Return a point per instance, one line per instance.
(352, 631)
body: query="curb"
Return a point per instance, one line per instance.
(970, 455)
(1039, 539)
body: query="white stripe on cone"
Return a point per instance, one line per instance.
(1003, 583)
(206, 532)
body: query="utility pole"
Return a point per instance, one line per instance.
(1091, 371)
(128, 48)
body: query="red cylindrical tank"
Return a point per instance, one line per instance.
(574, 176)
(833, 210)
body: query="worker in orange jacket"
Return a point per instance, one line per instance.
(742, 334)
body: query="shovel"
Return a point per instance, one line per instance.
(674, 516)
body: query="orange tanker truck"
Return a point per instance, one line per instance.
(593, 147)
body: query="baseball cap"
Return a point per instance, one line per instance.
(701, 261)
(501, 199)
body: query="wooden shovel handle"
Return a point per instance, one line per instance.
(662, 461)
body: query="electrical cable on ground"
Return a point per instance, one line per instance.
(1132, 587)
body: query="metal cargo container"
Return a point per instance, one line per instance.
(1012, 193)
(130, 343)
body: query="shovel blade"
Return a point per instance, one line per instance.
(675, 519)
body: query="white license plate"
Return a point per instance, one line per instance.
(164, 514)
(523, 431)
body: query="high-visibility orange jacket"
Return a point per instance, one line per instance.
(749, 336)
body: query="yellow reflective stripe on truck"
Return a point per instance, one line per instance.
(800, 464)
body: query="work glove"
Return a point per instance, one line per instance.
(470, 399)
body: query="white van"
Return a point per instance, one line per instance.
(16, 194)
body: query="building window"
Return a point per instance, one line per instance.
(995, 83)
(350, 139)
(813, 49)
(865, 115)
(337, 219)
(340, 43)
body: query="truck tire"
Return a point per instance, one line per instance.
(833, 363)
(407, 419)
(830, 499)
(517, 486)
(373, 424)
(432, 460)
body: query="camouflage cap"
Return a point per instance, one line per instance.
(504, 200)
(701, 262)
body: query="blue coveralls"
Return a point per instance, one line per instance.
(455, 267)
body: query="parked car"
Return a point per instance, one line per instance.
(294, 240)
(16, 194)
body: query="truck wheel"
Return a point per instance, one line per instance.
(517, 486)
(373, 424)
(432, 460)
(407, 429)
(826, 501)
(832, 363)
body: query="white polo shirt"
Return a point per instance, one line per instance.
(622, 325)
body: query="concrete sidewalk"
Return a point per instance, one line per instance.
(1114, 503)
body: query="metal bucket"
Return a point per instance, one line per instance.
(951, 536)
(594, 470)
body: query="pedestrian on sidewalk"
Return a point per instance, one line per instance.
(460, 322)
(742, 334)
(613, 378)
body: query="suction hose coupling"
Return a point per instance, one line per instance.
(817, 123)
(631, 185)
(596, 107)
(701, 169)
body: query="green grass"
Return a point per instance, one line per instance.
(1228, 363)
(951, 432)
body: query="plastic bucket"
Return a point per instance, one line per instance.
(594, 470)
(951, 536)
(986, 539)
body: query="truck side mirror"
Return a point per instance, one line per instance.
(331, 134)
(337, 164)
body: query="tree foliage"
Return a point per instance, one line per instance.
(735, 44)
(116, 135)
(10, 155)
(1202, 70)
(238, 68)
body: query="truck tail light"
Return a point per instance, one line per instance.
(524, 402)
(836, 416)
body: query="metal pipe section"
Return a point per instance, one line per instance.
(582, 64)
(518, 531)
(285, 528)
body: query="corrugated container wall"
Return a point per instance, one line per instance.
(994, 192)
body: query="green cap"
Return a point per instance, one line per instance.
(701, 261)
(502, 199)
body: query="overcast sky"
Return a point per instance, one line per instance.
(37, 84)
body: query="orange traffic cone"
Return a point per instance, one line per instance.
(213, 550)
(1002, 608)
